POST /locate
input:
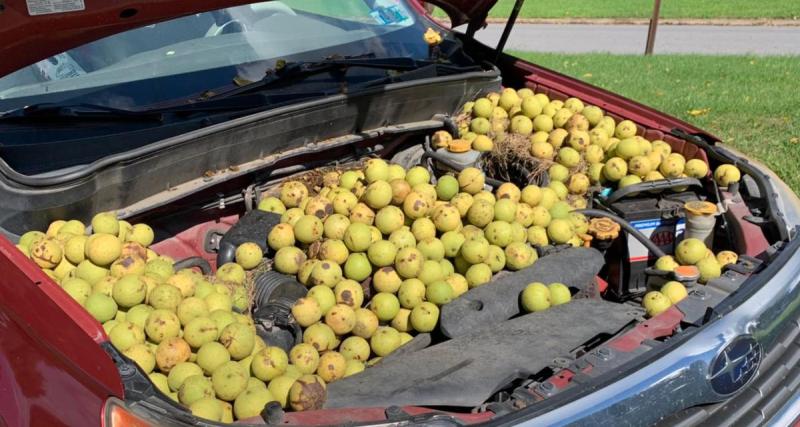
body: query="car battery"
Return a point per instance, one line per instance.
(662, 220)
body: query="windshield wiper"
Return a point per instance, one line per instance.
(78, 111)
(337, 66)
(158, 115)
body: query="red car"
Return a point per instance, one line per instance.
(178, 113)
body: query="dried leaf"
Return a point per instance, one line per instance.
(698, 112)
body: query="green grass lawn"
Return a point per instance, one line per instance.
(751, 103)
(700, 9)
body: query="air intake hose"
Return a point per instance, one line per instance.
(274, 296)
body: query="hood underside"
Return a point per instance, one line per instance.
(36, 29)
(463, 11)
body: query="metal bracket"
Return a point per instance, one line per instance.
(395, 413)
(546, 389)
(211, 240)
(250, 197)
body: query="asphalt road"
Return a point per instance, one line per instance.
(702, 39)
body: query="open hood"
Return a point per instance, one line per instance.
(463, 11)
(36, 29)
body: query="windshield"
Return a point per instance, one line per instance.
(187, 56)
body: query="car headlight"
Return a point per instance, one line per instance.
(115, 414)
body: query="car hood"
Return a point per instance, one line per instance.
(36, 29)
(463, 11)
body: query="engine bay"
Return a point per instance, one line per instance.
(481, 264)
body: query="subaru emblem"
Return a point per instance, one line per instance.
(735, 365)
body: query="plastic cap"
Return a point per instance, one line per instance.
(687, 272)
(700, 208)
(603, 228)
(459, 146)
(432, 37)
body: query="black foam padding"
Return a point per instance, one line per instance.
(254, 226)
(419, 342)
(498, 300)
(467, 370)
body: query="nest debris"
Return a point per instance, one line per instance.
(510, 160)
(314, 179)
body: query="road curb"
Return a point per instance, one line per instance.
(663, 21)
(643, 21)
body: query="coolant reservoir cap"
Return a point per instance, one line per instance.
(698, 208)
(603, 228)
